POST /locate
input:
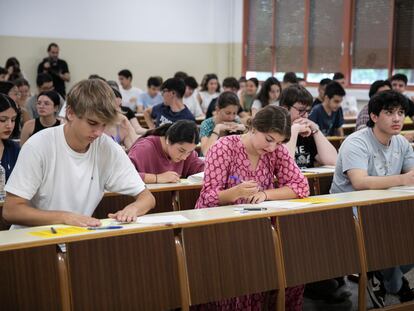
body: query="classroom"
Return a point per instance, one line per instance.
(207, 155)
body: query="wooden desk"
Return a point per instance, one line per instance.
(308, 239)
(336, 141)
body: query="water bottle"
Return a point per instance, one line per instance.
(2, 183)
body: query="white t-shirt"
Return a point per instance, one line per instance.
(130, 97)
(206, 99)
(349, 105)
(193, 105)
(257, 104)
(54, 177)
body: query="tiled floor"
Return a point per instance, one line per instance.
(352, 303)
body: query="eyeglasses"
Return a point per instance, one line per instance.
(302, 111)
(165, 91)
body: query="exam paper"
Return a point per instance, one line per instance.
(319, 170)
(277, 204)
(196, 178)
(168, 219)
(402, 188)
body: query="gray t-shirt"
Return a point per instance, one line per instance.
(362, 150)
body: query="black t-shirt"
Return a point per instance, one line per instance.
(127, 112)
(317, 101)
(305, 152)
(56, 67)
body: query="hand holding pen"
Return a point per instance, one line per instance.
(245, 188)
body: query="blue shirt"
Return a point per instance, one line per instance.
(10, 154)
(163, 114)
(327, 124)
(147, 101)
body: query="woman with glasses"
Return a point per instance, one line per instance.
(165, 154)
(47, 107)
(307, 144)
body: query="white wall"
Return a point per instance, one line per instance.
(189, 21)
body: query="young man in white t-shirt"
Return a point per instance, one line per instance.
(129, 93)
(62, 172)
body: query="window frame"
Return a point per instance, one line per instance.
(348, 17)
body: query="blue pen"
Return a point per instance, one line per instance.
(235, 178)
(105, 227)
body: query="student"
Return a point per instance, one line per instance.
(126, 129)
(3, 74)
(11, 90)
(242, 86)
(47, 106)
(241, 169)
(249, 95)
(268, 95)
(210, 89)
(130, 94)
(190, 97)
(289, 79)
(307, 145)
(62, 172)
(349, 103)
(223, 123)
(230, 84)
(165, 154)
(44, 83)
(152, 96)
(399, 84)
(172, 109)
(377, 157)
(13, 69)
(56, 67)
(363, 116)
(328, 116)
(321, 91)
(24, 89)
(9, 150)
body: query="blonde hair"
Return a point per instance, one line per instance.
(93, 97)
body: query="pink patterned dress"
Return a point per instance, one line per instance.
(228, 157)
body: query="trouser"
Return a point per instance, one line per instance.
(393, 277)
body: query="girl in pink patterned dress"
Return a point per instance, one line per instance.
(241, 169)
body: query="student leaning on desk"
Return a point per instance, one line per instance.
(377, 157)
(62, 172)
(166, 153)
(241, 169)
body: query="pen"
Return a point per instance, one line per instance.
(105, 227)
(235, 178)
(254, 209)
(53, 230)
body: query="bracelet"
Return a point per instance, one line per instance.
(218, 135)
(315, 131)
(264, 194)
(156, 179)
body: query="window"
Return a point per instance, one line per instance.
(259, 40)
(404, 38)
(367, 40)
(325, 39)
(371, 32)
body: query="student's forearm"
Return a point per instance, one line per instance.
(291, 144)
(145, 201)
(150, 178)
(228, 196)
(377, 182)
(24, 214)
(280, 194)
(327, 153)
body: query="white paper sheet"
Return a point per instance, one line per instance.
(168, 219)
(276, 204)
